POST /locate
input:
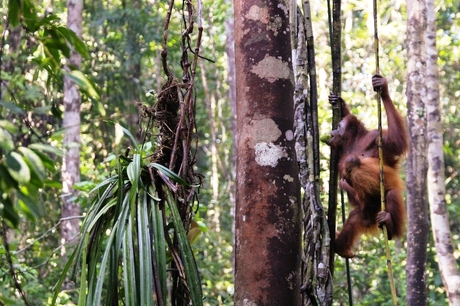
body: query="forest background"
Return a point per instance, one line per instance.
(123, 69)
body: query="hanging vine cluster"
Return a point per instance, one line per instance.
(175, 109)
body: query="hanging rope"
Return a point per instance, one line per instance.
(347, 260)
(382, 178)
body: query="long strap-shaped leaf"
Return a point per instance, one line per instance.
(191, 271)
(145, 252)
(129, 270)
(159, 247)
(97, 293)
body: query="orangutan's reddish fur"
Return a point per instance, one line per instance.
(361, 180)
(357, 150)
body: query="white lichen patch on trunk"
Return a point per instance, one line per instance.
(289, 135)
(271, 69)
(268, 154)
(257, 13)
(284, 8)
(261, 130)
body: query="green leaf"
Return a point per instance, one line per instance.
(188, 260)
(120, 222)
(52, 183)
(83, 282)
(129, 271)
(6, 143)
(194, 233)
(18, 168)
(8, 212)
(64, 276)
(46, 148)
(5, 300)
(30, 15)
(28, 204)
(53, 44)
(82, 81)
(128, 133)
(10, 127)
(46, 160)
(7, 178)
(110, 180)
(34, 179)
(145, 252)
(74, 41)
(159, 243)
(14, 12)
(134, 171)
(13, 108)
(56, 111)
(170, 174)
(100, 108)
(34, 162)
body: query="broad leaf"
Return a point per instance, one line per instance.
(18, 168)
(82, 81)
(9, 126)
(194, 233)
(28, 204)
(13, 108)
(46, 160)
(7, 178)
(46, 148)
(29, 14)
(6, 143)
(34, 161)
(74, 40)
(8, 212)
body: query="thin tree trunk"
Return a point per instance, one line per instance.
(231, 75)
(316, 277)
(336, 54)
(213, 211)
(230, 50)
(267, 246)
(71, 123)
(436, 186)
(417, 228)
(133, 59)
(14, 43)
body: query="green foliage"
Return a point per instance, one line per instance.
(33, 49)
(124, 238)
(23, 174)
(23, 164)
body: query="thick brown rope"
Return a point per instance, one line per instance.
(382, 178)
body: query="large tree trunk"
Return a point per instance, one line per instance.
(417, 228)
(71, 123)
(267, 246)
(436, 187)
